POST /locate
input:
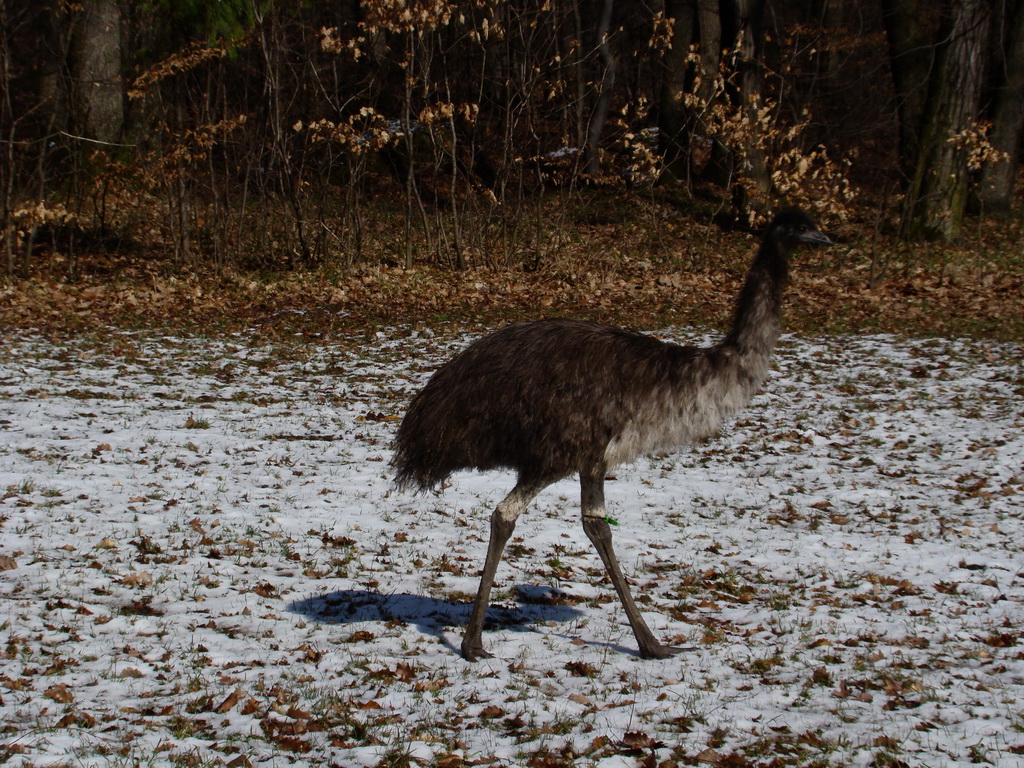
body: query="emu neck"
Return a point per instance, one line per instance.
(755, 325)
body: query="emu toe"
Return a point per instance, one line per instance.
(659, 651)
(474, 651)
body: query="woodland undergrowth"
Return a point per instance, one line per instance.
(640, 259)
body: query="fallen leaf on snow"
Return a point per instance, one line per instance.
(59, 693)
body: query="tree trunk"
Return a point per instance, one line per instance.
(592, 158)
(97, 101)
(709, 46)
(672, 124)
(709, 157)
(684, 135)
(910, 26)
(995, 190)
(749, 18)
(936, 195)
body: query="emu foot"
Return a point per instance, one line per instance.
(473, 650)
(659, 651)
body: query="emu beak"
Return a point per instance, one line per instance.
(816, 237)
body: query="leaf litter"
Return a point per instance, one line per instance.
(203, 562)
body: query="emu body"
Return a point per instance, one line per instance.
(552, 398)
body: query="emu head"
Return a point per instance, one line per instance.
(792, 227)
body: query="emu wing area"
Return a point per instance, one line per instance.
(544, 398)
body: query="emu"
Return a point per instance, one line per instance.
(551, 398)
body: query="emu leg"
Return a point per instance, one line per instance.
(599, 532)
(503, 522)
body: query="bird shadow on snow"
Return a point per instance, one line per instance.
(433, 616)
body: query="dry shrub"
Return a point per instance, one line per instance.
(974, 141)
(755, 132)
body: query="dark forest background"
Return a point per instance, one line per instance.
(283, 135)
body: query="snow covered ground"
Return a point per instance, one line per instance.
(204, 564)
